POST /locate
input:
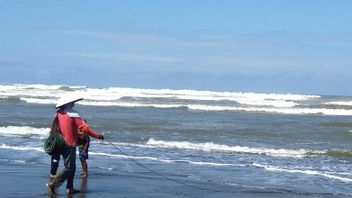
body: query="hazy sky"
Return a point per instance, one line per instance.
(271, 46)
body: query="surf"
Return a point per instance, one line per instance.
(304, 171)
(28, 131)
(192, 100)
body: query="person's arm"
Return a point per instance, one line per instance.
(83, 126)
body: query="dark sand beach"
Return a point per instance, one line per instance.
(28, 180)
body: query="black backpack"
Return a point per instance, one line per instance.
(55, 143)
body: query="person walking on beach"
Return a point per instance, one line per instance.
(83, 145)
(69, 122)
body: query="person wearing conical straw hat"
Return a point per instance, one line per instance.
(70, 122)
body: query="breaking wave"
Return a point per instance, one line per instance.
(22, 148)
(41, 133)
(212, 147)
(304, 171)
(24, 131)
(339, 153)
(114, 93)
(10, 98)
(185, 99)
(337, 176)
(341, 103)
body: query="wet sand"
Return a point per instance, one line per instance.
(28, 180)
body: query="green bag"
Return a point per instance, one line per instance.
(55, 143)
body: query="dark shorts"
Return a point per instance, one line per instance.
(83, 154)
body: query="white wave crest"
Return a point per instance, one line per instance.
(126, 156)
(22, 148)
(34, 90)
(340, 103)
(308, 172)
(201, 107)
(129, 104)
(164, 160)
(122, 156)
(37, 91)
(323, 111)
(249, 102)
(211, 147)
(39, 100)
(24, 131)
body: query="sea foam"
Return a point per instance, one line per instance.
(24, 131)
(115, 93)
(212, 147)
(22, 148)
(340, 103)
(168, 98)
(303, 171)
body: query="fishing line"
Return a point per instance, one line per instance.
(275, 190)
(160, 174)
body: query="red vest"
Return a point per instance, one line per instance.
(69, 123)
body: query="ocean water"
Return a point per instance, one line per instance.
(286, 143)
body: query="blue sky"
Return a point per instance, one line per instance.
(271, 46)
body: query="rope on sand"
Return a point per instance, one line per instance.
(160, 174)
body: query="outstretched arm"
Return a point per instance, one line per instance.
(83, 126)
(85, 129)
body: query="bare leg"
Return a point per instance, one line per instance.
(84, 167)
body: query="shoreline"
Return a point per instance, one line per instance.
(28, 180)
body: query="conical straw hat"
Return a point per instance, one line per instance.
(68, 98)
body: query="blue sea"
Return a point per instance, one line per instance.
(287, 143)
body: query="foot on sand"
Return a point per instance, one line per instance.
(72, 191)
(51, 187)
